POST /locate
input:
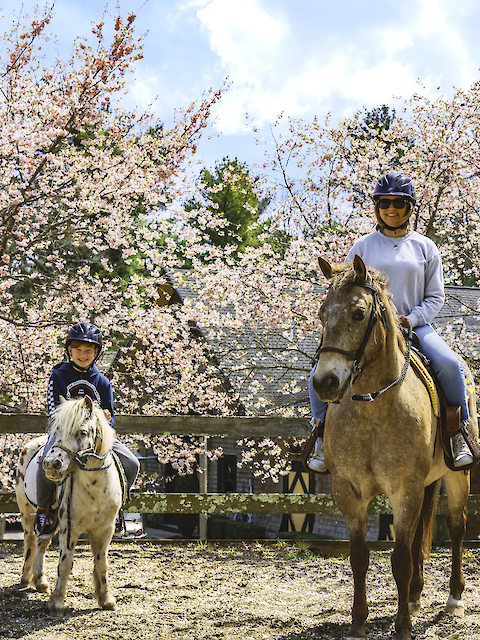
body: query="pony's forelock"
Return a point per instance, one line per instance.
(346, 276)
(71, 414)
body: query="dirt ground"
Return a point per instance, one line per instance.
(231, 592)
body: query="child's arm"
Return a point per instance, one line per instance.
(107, 403)
(54, 391)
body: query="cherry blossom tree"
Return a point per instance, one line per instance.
(92, 215)
(82, 178)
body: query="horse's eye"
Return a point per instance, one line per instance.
(82, 433)
(358, 315)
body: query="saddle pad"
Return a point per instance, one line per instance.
(30, 479)
(427, 380)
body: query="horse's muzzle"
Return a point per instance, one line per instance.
(329, 387)
(57, 468)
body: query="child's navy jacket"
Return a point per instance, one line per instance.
(67, 382)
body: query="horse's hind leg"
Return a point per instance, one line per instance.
(100, 546)
(39, 579)
(457, 484)
(28, 545)
(33, 551)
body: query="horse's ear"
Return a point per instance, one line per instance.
(88, 402)
(62, 399)
(360, 268)
(326, 268)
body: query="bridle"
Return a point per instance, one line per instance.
(87, 455)
(359, 354)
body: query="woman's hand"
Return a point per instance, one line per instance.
(404, 322)
(108, 415)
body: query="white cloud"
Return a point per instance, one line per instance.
(274, 69)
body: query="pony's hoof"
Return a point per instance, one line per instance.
(355, 634)
(414, 608)
(42, 587)
(109, 604)
(53, 612)
(455, 607)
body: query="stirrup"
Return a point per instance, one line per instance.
(46, 521)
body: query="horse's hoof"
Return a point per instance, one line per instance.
(414, 608)
(354, 634)
(55, 613)
(455, 607)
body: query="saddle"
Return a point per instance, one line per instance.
(449, 419)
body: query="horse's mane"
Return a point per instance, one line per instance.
(70, 415)
(345, 276)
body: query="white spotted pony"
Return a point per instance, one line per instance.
(89, 495)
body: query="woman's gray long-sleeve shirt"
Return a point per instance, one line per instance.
(413, 266)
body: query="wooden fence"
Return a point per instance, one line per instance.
(206, 503)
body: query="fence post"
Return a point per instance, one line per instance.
(203, 481)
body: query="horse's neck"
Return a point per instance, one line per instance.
(387, 363)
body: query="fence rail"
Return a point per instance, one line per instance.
(212, 503)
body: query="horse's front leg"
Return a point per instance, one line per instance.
(67, 541)
(354, 511)
(406, 513)
(99, 544)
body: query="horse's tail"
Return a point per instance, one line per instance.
(427, 516)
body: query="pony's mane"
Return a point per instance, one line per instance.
(71, 414)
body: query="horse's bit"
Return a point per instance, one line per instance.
(360, 352)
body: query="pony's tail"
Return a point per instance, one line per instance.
(427, 516)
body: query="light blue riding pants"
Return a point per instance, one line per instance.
(446, 365)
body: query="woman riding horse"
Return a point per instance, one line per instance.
(413, 266)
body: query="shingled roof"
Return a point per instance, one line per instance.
(461, 302)
(268, 368)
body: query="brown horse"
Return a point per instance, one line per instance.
(386, 445)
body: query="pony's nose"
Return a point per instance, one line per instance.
(52, 465)
(327, 386)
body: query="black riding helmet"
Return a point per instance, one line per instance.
(85, 332)
(394, 184)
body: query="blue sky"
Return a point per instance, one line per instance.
(299, 57)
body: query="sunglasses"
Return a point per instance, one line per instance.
(398, 204)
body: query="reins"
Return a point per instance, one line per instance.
(77, 458)
(360, 352)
